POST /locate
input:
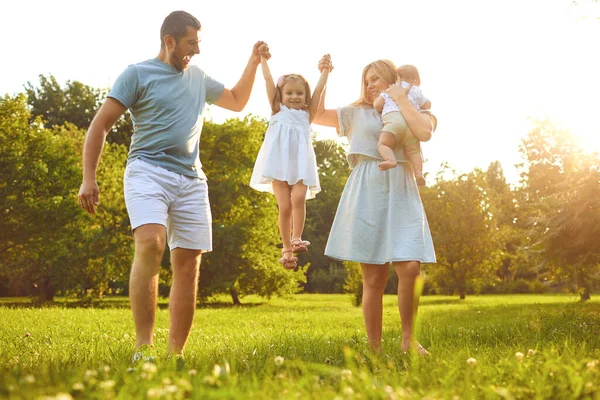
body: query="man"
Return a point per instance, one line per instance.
(165, 188)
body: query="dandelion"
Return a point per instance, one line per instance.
(105, 369)
(29, 379)
(171, 389)
(217, 370)
(279, 361)
(63, 396)
(530, 353)
(471, 361)
(149, 368)
(519, 356)
(193, 372)
(107, 385)
(78, 387)
(592, 364)
(153, 393)
(346, 374)
(348, 391)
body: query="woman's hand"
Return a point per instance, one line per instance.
(397, 90)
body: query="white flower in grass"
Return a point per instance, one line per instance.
(78, 387)
(105, 369)
(471, 361)
(193, 372)
(217, 370)
(149, 368)
(171, 389)
(63, 396)
(279, 361)
(153, 393)
(592, 364)
(530, 353)
(348, 391)
(29, 379)
(346, 374)
(519, 356)
(107, 385)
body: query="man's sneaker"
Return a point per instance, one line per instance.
(144, 353)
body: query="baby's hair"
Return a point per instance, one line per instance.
(276, 101)
(409, 73)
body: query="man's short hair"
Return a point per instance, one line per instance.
(175, 25)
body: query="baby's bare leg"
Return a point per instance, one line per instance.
(413, 153)
(386, 142)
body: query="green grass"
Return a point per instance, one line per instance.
(85, 353)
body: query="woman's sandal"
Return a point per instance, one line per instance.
(299, 245)
(288, 262)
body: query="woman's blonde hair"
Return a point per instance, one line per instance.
(276, 100)
(385, 70)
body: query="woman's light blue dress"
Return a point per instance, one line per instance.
(380, 217)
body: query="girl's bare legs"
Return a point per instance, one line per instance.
(282, 193)
(374, 279)
(298, 209)
(408, 302)
(386, 143)
(413, 153)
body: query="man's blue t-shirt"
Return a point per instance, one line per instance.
(166, 108)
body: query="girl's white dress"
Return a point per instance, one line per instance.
(287, 153)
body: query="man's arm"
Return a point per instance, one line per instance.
(106, 117)
(237, 98)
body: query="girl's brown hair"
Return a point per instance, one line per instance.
(276, 101)
(385, 70)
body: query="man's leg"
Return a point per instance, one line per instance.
(182, 302)
(143, 282)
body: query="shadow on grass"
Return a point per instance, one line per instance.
(112, 303)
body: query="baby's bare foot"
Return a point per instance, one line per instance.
(387, 165)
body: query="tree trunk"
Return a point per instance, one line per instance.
(47, 292)
(462, 294)
(234, 296)
(583, 286)
(584, 294)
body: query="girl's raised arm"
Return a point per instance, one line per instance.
(271, 89)
(316, 96)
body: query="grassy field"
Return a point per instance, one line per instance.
(310, 347)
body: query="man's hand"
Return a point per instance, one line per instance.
(88, 197)
(260, 49)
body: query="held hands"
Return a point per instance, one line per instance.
(325, 63)
(88, 196)
(261, 49)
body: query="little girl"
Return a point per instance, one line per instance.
(286, 165)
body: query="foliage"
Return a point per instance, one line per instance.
(561, 185)
(74, 103)
(324, 274)
(462, 228)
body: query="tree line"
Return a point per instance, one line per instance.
(490, 237)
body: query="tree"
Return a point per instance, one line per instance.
(75, 103)
(325, 275)
(245, 232)
(561, 185)
(462, 229)
(48, 242)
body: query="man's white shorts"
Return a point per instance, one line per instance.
(154, 195)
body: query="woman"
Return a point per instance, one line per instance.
(380, 219)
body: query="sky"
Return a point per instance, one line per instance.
(490, 68)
